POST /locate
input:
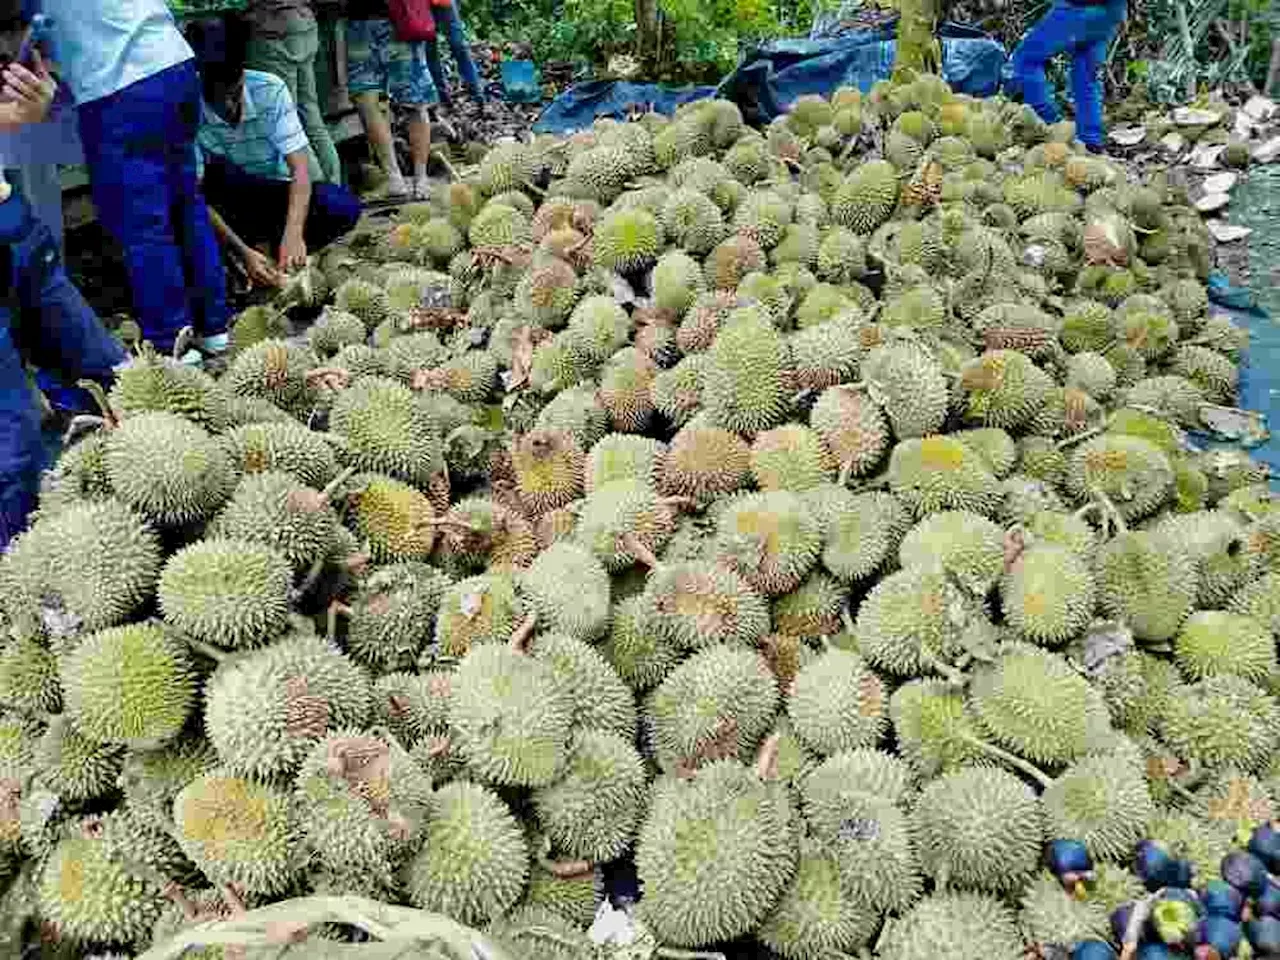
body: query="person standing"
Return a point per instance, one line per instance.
(449, 19)
(284, 39)
(137, 97)
(1083, 29)
(378, 63)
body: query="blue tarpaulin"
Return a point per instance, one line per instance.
(773, 75)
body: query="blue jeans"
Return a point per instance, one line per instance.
(1084, 32)
(43, 320)
(140, 146)
(449, 20)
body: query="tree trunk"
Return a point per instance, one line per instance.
(917, 46)
(647, 31)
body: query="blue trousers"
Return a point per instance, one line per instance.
(43, 320)
(1083, 32)
(140, 147)
(449, 20)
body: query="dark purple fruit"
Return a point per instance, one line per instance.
(1221, 899)
(1152, 863)
(1120, 920)
(1093, 950)
(1069, 856)
(1264, 843)
(1220, 933)
(1245, 872)
(1263, 935)
(1267, 904)
(1175, 917)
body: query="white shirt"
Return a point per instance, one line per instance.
(105, 45)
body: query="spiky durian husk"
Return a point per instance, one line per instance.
(273, 509)
(168, 468)
(954, 926)
(704, 462)
(481, 609)
(772, 539)
(933, 729)
(744, 383)
(1143, 580)
(837, 704)
(692, 898)
(965, 544)
(941, 473)
(1215, 643)
(229, 593)
(790, 457)
(388, 429)
(1222, 721)
(285, 447)
(393, 518)
(1048, 594)
(908, 383)
(867, 197)
(413, 706)
(585, 613)
(1133, 473)
(1050, 915)
(392, 615)
(1101, 800)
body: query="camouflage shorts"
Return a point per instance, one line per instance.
(378, 62)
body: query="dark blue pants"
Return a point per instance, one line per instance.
(1083, 32)
(256, 208)
(449, 22)
(43, 320)
(140, 147)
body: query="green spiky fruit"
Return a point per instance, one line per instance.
(692, 605)
(979, 828)
(1004, 388)
(908, 383)
(817, 914)
(388, 430)
(954, 926)
(1147, 583)
(367, 301)
(1103, 801)
(717, 703)
(912, 620)
(152, 383)
(239, 830)
(335, 329)
(510, 717)
(1260, 601)
(1051, 915)
(482, 609)
(282, 447)
(276, 511)
(1220, 546)
(635, 648)
(772, 539)
(1035, 704)
(265, 711)
(995, 446)
(573, 900)
(152, 778)
(230, 593)
(861, 531)
(867, 197)
(934, 731)
(837, 704)
(829, 788)
(703, 462)
(715, 854)
(1133, 473)
(29, 677)
(1048, 594)
(167, 468)
(941, 473)
(392, 615)
(393, 518)
(274, 370)
(623, 458)
(585, 613)
(812, 610)
(592, 812)
(791, 457)
(576, 411)
(967, 545)
(1222, 721)
(128, 685)
(474, 862)
(853, 427)
(627, 241)
(1214, 643)
(97, 561)
(601, 701)
(744, 383)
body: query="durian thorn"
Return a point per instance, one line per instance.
(638, 549)
(521, 635)
(1006, 757)
(94, 389)
(767, 758)
(568, 869)
(332, 486)
(206, 650)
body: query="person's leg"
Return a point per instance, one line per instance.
(125, 146)
(1086, 72)
(431, 48)
(42, 184)
(334, 212)
(1060, 29)
(368, 48)
(254, 207)
(414, 90)
(450, 18)
(22, 454)
(304, 40)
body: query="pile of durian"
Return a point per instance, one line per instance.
(804, 516)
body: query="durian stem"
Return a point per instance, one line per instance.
(634, 546)
(332, 486)
(1005, 756)
(206, 650)
(182, 342)
(310, 580)
(671, 953)
(520, 638)
(943, 669)
(767, 758)
(444, 162)
(1072, 440)
(1112, 513)
(335, 609)
(94, 389)
(567, 869)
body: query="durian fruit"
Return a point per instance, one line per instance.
(1101, 800)
(771, 539)
(593, 810)
(1221, 548)
(1144, 581)
(704, 462)
(29, 681)
(413, 706)
(1048, 595)
(151, 779)
(232, 594)
(1176, 398)
(275, 510)
(573, 900)
(167, 468)
(598, 328)
(1137, 688)
(284, 448)
(335, 329)
(626, 389)
(1036, 705)
(266, 710)
(861, 531)
(73, 766)
(867, 197)
(509, 717)
(396, 520)
(599, 698)
(239, 830)
(549, 469)
(790, 457)
(940, 473)
(812, 610)
(578, 412)
(1215, 643)
(966, 545)
(635, 648)
(388, 429)
(1004, 389)
(1214, 374)
(978, 829)
(474, 862)
(828, 788)
(996, 447)
(914, 621)
(392, 615)
(480, 609)
(584, 613)
(274, 370)
(96, 561)
(479, 532)
(255, 324)
(715, 854)
(1133, 473)
(91, 897)
(953, 926)
(837, 704)
(1260, 601)
(693, 605)
(744, 386)
(693, 222)
(718, 703)
(128, 685)
(909, 385)
(1051, 915)
(627, 240)
(933, 730)
(152, 383)
(623, 458)
(816, 913)
(1222, 721)
(362, 804)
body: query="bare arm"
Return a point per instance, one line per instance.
(293, 249)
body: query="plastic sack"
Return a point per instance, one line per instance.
(520, 81)
(579, 106)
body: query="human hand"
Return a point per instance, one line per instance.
(293, 252)
(262, 272)
(29, 89)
